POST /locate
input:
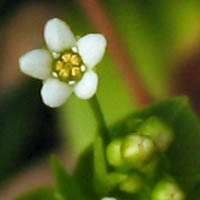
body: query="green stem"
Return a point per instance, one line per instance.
(98, 114)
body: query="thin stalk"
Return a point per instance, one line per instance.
(98, 114)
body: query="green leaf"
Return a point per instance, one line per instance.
(84, 173)
(43, 193)
(184, 152)
(23, 118)
(146, 37)
(91, 171)
(100, 167)
(65, 184)
(195, 194)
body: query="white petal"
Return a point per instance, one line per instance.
(87, 86)
(91, 48)
(58, 35)
(108, 198)
(55, 93)
(36, 63)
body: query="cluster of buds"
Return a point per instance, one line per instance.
(131, 152)
(135, 159)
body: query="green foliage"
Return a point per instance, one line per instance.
(182, 155)
(195, 194)
(84, 174)
(184, 152)
(100, 166)
(42, 193)
(65, 184)
(93, 178)
(20, 129)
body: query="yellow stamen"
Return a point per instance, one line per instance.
(75, 60)
(62, 72)
(66, 57)
(65, 74)
(68, 67)
(59, 65)
(76, 71)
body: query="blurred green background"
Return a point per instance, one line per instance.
(161, 41)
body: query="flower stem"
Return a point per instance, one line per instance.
(98, 114)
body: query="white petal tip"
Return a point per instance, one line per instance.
(36, 63)
(87, 86)
(108, 198)
(92, 48)
(58, 35)
(54, 92)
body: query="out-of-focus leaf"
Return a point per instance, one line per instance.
(155, 32)
(91, 171)
(142, 30)
(65, 184)
(38, 194)
(100, 167)
(195, 194)
(23, 117)
(84, 173)
(184, 153)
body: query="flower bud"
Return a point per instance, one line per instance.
(137, 149)
(167, 190)
(113, 153)
(115, 178)
(132, 184)
(158, 131)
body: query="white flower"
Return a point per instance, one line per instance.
(67, 65)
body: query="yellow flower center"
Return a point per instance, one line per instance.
(69, 67)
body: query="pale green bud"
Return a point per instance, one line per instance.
(137, 150)
(132, 184)
(115, 178)
(167, 190)
(58, 196)
(113, 153)
(161, 133)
